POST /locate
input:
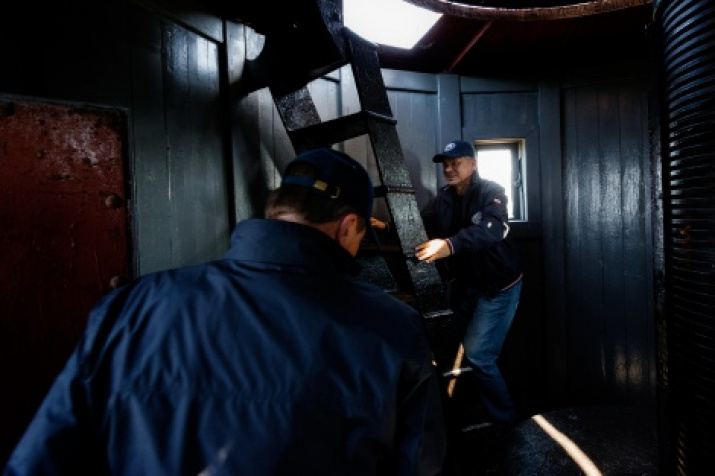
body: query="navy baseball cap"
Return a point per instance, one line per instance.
(454, 150)
(337, 176)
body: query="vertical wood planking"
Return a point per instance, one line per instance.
(572, 236)
(499, 116)
(195, 153)
(151, 178)
(211, 222)
(251, 132)
(637, 242)
(177, 91)
(551, 188)
(181, 188)
(449, 116)
(608, 250)
(588, 312)
(417, 128)
(242, 125)
(613, 197)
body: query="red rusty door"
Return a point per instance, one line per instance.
(63, 238)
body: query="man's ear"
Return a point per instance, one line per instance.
(347, 234)
(345, 223)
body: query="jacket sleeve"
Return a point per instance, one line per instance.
(62, 438)
(57, 440)
(420, 436)
(488, 225)
(429, 218)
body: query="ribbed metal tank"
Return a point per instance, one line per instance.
(687, 29)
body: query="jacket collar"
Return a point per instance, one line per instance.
(289, 244)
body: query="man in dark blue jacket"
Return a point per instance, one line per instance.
(468, 225)
(275, 360)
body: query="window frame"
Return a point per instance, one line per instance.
(518, 186)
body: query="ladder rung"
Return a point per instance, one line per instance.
(383, 190)
(336, 130)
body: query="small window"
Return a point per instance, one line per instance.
(501, 161)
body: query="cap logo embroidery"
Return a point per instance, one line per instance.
(450, 146)
(323, 187)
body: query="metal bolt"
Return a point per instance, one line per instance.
(113, 201)
(118, 281)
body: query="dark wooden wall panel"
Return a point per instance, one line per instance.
(417, 128)
(612, 228)
(638, 242)
(638, 251)
(261, 147)
(151, 174)
(181, 180)
(503, 112)
(197, 175)
(583, 273)
(258, 142)
(551, 187)
(610, 337)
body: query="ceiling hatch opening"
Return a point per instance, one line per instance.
(388, 22)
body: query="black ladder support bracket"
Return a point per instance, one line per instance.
(291, 29)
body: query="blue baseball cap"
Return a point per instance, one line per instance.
(454, 150)
(337, 176)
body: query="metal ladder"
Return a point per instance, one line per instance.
(306, 131)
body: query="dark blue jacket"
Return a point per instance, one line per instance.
(274, 360)
(476, 223)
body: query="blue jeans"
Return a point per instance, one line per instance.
(483, 341)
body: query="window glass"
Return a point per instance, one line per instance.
(501, 162)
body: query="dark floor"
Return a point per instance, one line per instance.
(584, 440)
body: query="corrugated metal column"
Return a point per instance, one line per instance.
(687, 28)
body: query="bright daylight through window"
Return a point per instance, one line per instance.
(388, 22)
(501, 162)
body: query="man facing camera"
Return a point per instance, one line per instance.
(467, 223)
